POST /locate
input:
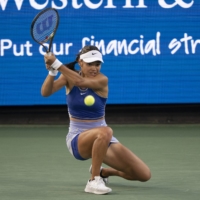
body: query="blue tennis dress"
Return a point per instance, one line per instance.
(78, 109)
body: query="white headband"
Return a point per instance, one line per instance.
(91, 56)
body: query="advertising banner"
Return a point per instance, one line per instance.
(151, 49)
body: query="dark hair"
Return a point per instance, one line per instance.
(85, 49)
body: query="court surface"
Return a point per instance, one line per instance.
(35, 164)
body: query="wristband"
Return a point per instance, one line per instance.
(56, 64)
(53, 72)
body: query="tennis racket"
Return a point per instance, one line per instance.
(44, 27)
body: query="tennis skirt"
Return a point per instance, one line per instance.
(77, 128)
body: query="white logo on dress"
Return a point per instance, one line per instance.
(83, 93)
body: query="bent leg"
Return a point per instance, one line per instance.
(93, 144)
(125, 164)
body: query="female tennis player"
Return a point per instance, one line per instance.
(89, 136)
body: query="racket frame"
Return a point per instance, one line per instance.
(51, 37)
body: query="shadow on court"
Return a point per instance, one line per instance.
(35, 164)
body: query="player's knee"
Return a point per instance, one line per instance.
(106, 133)
(109, 132)
(145, 176)
(142, 176)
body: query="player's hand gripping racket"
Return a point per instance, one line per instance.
(44, 27)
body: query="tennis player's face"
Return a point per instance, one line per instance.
(91, 69)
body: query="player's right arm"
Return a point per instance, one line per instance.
(50, 85)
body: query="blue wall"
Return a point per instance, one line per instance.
(158, 61)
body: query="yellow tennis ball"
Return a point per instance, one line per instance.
(89, 100)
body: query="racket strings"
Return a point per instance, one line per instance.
(45, 26)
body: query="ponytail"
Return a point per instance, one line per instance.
(71, 65)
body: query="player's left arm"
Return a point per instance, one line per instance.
(50, 85)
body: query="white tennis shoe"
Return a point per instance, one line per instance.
(97, 186)
(104, 179)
